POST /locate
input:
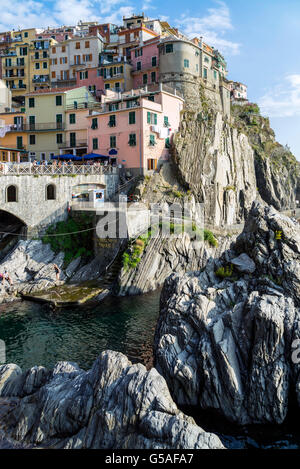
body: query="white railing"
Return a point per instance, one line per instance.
(44, 170)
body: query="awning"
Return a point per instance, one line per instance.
(68, 156)
(91, 156)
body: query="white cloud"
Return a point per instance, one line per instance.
(213, 27)
(39, 14)
(282, 100)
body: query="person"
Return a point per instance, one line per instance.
(7, 277)
(57, 271)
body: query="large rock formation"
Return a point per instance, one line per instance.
(225, 335)
(115, 405)
(215, 161)
(277, 170)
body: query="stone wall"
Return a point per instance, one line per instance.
(33, 209)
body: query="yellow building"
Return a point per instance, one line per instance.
(46, 114)
(40, 63)
(116, 75)
(26, 62)
(16, 62)
(13, 145)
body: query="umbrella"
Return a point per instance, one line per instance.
(91, 156)
(68, 156)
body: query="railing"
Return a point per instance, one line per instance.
(42, 79)
(85, 105)
(77, 144)
(45, 127)
(65, 169)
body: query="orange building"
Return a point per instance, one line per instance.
(13, 137)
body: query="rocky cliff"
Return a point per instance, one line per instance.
(225, 338)
(115, 405)
(277, 170)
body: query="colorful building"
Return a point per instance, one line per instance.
(13, 137)
(135, 129)
(238, 90)
(40, 63)
(91, 78)
(46, 114)
(116, 75)
(145, 63)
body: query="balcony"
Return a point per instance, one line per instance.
(14, 65)
(84, 105)
(12, 77)
(67, 83)
(17, 87)
(117, 76)
(76, 144)
(41, 79)
(35, 59)
(44, 127)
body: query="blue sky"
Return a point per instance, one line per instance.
(260, 40)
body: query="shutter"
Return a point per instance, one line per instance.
(148, 117)
(155, 119)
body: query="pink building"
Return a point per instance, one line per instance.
(135, 129)
(145, 66)
(90, 77)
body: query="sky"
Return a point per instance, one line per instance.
(259, 39)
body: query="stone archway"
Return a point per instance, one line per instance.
(11, 227)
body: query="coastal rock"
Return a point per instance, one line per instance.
(244, 264)
(114, 405)
(225, 342)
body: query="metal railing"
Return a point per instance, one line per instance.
(76, 144)
(44, 170)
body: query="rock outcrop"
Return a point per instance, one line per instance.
(226, 335)
(216, 162)
(162, 257)
(115, 405)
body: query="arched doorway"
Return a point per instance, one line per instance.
(11, 194)
(51, 192)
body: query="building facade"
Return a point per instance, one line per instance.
(136, 129)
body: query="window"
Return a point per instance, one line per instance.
(23, 50)
(37, 66)
(112, 121)
(42, 156)
(53, 50)
(32, 122)
(53, 75)
(132, 140)
(95, 143)
(215, 74)
(132, 117)
(73, 139)
(113, 141)
(59, 138)
(59, 121)
(153, 77)
(94, 123)
(19, 142)
(151, 98)
(206, 59)
(63, 48)
(145, 79)
(186, 63)
(50, 192)
(26, 34)
(58, 100)
(117, 86)
(151, 118)
(139, 65)
(83, 75)
(11, 194)
(167, 142)
(45, 54)
(36, 55)
(72, 118)
(154, 61)
(169, 48)
(31, 139)
(77, 46)
(197, 68)
(205, 73)
(166, 121)
(31, 102)
(138, 52)
(152, 140)
(107, 86)
(87, 44)
(152, 164)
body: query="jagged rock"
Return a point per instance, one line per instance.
(163, 256)
(226, 344)
(244, 264)
(113, 405)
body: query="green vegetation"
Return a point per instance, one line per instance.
(132, 257)
(230, 188)
(73, 237)
(225, 272)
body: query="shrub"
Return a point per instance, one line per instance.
(208, 236)
(224, 272)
